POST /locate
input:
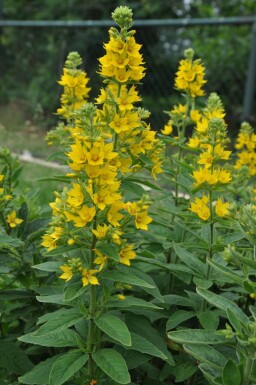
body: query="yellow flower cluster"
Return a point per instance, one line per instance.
(212, 151)
(75, 83)
(201, 119)
(246, 144)
(8, 203)
(201, 208)
(105, 144)
(189, 79)
(123, 61)
(190, 75)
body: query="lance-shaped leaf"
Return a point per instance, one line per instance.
(197, 337)
(66, 366)
(115, 328)
(113, 364)
(206, 354)
(223, 303)
(39, 375)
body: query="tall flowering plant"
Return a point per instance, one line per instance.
(93, 222)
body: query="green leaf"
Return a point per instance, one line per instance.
(119, 276)
(153, 290)
(59, 323)
(59, 339)
(74, 290)
(144, 182)
(109, 250)
(13, 358)
(174, 299)
(39, 375)
(234, 320)
(66, 366)
(231, 374)
(133, 358)
(191, 261)
(115, 328)
(113, 364)
(61, 250)
(206, 354)
(54, 298)
(231, 238)
(144, 346)
(197, 337)
(14, 294)
(228, 273)
(184, 370)
(7, 241)
(132, 302)
(208, 319)
(178, 317)
(205, 283)
(132, 189)
(223, 303)
(48, 266)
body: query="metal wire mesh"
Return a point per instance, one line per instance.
(30, 71)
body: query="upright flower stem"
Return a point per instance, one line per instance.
(91, 331)
(92, 309)
(208, 270)
(248, 366)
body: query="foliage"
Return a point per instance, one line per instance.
(130, 285)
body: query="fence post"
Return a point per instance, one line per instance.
(251, 77)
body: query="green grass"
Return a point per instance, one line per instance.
(19, 134)
(43, 190)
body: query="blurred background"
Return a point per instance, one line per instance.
(36, 36)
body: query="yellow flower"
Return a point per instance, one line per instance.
(195, 115)
(67, 273)
(224, 176)
(167, 130)
(12, 219)
(101, 259)
(200, 207)
(75, 196)
(114, 216)
(88, 277)
(82, 216)
(49, 242)
(119, 124)
(220, 153)
(101, 231)
(205, 158)
(121, 297)
(221, 208)
(1, 177)
(194, 142)
(142, 220)
(126, 254)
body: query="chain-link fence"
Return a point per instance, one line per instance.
(33, 54)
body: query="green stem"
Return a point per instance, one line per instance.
(210, 253)
(248, 370)
(92, 309)
(248, 365)
(91, 331)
